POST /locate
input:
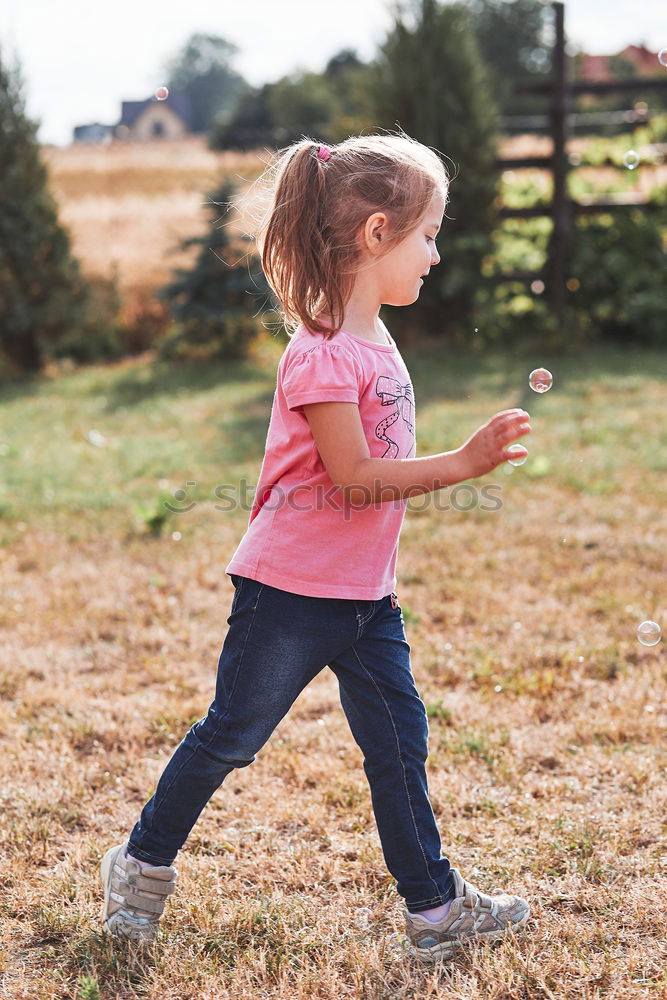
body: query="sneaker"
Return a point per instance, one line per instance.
(134, 897)
(473, 916)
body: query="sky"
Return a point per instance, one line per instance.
(80, 58)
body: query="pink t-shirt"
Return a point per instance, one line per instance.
(302, 535)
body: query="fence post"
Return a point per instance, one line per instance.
(558, 251)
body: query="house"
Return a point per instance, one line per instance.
(142, 120)
(598, 68)
(153, 119)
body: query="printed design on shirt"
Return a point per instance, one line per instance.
(392, 393)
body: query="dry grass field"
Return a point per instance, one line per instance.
(548, 719)
(132, 203)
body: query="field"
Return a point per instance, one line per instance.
(131, 204)
(547, 717)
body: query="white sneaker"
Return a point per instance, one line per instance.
(134, 896)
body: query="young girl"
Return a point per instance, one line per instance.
(349, 229)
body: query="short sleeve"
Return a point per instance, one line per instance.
(325, 373)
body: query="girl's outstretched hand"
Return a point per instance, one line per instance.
(485, 449)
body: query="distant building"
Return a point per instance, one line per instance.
(93, 133)
(153, 119)
(598, 67)
(142, 121)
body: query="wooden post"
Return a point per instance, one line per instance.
(560, 107)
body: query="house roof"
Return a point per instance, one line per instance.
(177, 102)
(597, 67)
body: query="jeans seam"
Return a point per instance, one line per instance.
(400, 757)
(361, 621)
(238, 668)
(237, 594)
(220, 721)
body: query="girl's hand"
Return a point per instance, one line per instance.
(484, 450)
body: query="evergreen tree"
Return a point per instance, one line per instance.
(431, 81)
(217, 303)
(43, 296)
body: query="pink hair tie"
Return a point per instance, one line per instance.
(323, 153)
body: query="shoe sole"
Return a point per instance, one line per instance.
(446, 949)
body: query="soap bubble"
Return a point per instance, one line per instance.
(537, 287)
(363, 916)
(399, 943)
(540, 380)
(162, 93)
(649, 633)
(94, 437)
(662, 57)
(520, 459)
(631, 159)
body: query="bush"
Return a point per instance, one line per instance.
(210, 339)
(96, 336)
(620, 264)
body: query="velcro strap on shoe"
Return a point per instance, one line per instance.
(144, 903)
(474, 897)
(146, 884)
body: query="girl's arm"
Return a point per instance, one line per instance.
(341, 442)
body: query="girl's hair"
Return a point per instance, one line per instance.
(307, 237)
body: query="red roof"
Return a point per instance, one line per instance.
(597, 68)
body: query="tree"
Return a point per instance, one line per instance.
(203, 72)
(514, 41)
(331, 106)
(431, 81)
(43, 296)
(250, 127)
(217, 301)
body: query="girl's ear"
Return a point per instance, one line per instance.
(374, 232)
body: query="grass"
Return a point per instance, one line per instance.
(547, 717)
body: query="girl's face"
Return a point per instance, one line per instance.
(401, 273)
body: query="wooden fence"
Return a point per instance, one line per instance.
(560, 91)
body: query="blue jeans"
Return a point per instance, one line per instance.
(276, 644)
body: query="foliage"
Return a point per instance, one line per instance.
(514, 40)
(431, 81)
(98, 337)
(203, 72)
(216, 302)
(330, 106)
(43, 296)
(155, 516)
(621, 266)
